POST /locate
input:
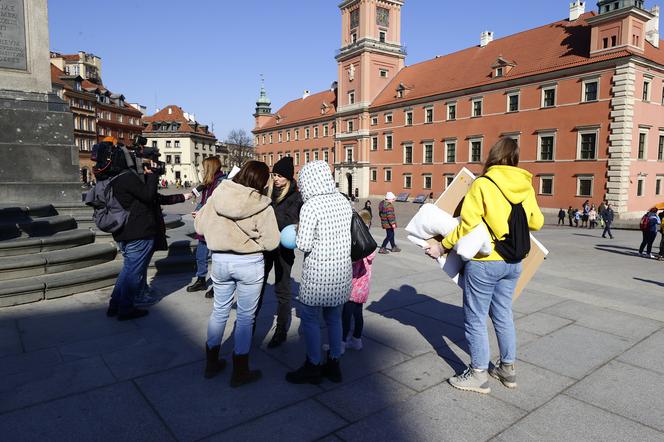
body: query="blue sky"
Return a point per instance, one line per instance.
(207, 55)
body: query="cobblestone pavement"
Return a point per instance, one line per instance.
(590, 331)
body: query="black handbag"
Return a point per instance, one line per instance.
(362, 243)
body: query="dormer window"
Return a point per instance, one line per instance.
(399, 93)
(499, 72)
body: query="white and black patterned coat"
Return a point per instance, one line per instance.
(324, 237)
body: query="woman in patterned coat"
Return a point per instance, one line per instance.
(324, 237)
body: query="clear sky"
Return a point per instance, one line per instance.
(207, 55)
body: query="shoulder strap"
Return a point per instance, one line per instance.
(501, 190)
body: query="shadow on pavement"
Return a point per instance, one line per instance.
(650, 281)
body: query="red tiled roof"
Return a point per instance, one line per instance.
(548, 48)
(55, 76)
(176, 115)
(304, 109)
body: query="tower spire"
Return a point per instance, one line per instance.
(263, 104)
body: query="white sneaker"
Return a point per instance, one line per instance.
(354, 343)
(652, 256)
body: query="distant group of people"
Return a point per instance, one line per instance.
(589, 216)
(650, 224)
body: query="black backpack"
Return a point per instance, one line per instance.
(516, 244)
(362, 243)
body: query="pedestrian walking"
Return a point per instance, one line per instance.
(650, 225)
(286, 201)
(388, 222)
(570, 216)
(239, 224)
(585, 214)
(490, 281)
(577, 217)
(361, 287)
(592, 217)
(324, 236)
(212, 176)
(367, 207)
(561, 216)
(661, 230)
(607, 217)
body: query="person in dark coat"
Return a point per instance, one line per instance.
(607, 217)
(286, 201)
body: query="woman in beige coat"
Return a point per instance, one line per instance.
(239, 224)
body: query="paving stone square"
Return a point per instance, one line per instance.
(589, 367)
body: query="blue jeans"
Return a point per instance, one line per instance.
(241, 275)
(389, 238)
(202, 255)
(132, 277)
(309, 316)
(488, 292)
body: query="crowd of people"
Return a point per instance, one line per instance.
(240, 222)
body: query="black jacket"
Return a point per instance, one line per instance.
(288, 210)
(140, 199)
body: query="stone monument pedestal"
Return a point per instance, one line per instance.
(38, 157)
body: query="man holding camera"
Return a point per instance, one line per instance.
(135, 178)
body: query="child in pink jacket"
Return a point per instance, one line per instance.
(361, 286)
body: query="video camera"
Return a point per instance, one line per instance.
(139, 150)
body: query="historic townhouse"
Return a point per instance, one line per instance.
(182, 141)
(583, 96)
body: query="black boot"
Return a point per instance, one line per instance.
(241, 373)
(132, 314)
(214, 365)
(210, 293)
(198, 286)
(278, 338)
(307, 374)
(331, 370)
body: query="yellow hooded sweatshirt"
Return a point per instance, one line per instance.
(484, 200)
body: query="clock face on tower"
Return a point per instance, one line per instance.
(383, 17)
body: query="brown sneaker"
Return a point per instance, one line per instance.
(383, 251)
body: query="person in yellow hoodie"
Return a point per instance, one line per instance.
(490, 280)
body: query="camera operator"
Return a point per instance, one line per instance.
(135, 187)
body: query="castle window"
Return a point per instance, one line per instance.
(428, 115)
(409, 118)
(477, 107)
(605, 42)
(451, 111)
(499, 72)
(383, 73)
(407, 181)
(408, 154)
(351, 97)
(549, 96)
(381, 36)
(646, 90)
(590, 90)
(513, 102)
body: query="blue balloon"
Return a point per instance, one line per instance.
(288, 237)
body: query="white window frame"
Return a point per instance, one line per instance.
(374, 120)
(583, 89)
(424, 181)
(348, 158)
(287, 135)
(456, 109)
(407, 114)
(500, 71)
(351, 97)
(541, 184)
(307, 133)
(555, 95)
(426, 115)
(659, 179)
(447, 145)
(448, 178)
(307, 157)
(297, 158)
(470, 149)
(279, 137)
(640, 186)
(518, 105)
(472, 107)
(326, 130)
(374, 143)
(412, 153)
(578, 184)
(316, 131)
(391, 136)
(407, 175)
(326, 156)
(648, 93)
(373, 174)
(316, 155)
(541, 135)
(645, 132)
(297, 134)
(424, 152)
(270, 137)
(660, 141)
(387, 171)
(383, 73)
(578, 143)
(350, 126)
(389, 118)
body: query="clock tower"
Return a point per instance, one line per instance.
(371, 54)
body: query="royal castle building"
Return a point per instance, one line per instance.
(584, 98)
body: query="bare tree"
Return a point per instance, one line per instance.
(240, 147)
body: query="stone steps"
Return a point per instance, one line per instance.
(48, 252)
(56, 261)
(58, 241)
